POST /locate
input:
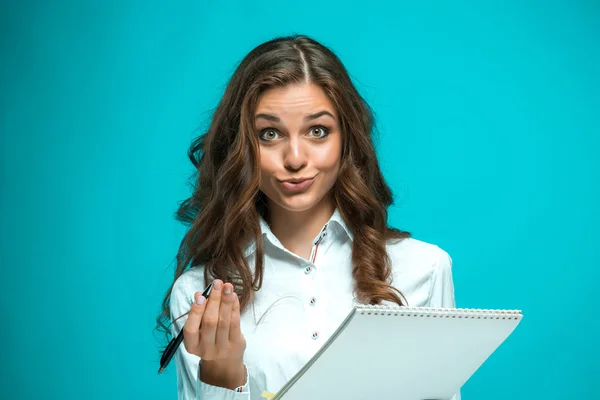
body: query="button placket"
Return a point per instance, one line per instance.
(311, 269)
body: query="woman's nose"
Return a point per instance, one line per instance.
(295, 156)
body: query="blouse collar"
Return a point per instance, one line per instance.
(266, 232)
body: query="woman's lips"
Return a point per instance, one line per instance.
(296, 187)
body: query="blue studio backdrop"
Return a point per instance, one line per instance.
(488, 115)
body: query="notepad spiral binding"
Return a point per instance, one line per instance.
(428, 312)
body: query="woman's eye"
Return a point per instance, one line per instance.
(269, 135)
(319, 132)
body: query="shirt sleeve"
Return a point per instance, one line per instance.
(187, 366)
(442, 288)
(441, 293)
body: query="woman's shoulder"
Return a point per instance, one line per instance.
(423, 272)
(416, 255)
(188, 283)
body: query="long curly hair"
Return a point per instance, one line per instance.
(223, 211)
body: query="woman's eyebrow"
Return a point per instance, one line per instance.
(274, 118)
(268, 117)
(318, 114)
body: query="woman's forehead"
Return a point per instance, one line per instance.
(294, 101)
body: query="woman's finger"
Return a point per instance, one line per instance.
(222, 338)
(211, 315)
(191, 328)
(235, 332)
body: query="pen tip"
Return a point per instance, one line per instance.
(161, 370)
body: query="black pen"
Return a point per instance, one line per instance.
(174, 344)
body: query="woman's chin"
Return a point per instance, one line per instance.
(298, 206)
(299, 203)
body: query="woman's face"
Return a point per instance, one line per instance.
(300, 146)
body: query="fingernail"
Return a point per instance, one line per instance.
(227, 291)
(218, 285)
(200, 300)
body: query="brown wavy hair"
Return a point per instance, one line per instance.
(223, 211)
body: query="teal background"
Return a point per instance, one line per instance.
(488, 116)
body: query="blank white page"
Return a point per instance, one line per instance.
(405, 353)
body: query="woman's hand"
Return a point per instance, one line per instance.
(212, 332)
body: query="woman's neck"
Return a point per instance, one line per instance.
(296, 230)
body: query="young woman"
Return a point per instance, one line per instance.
(288, 218)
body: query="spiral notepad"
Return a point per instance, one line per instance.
(411, 353)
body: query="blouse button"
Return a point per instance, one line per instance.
(313, 301)
(308, 269)
(315, 335)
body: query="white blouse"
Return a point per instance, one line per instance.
(301, 304)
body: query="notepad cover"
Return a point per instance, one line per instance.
(405, 353)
